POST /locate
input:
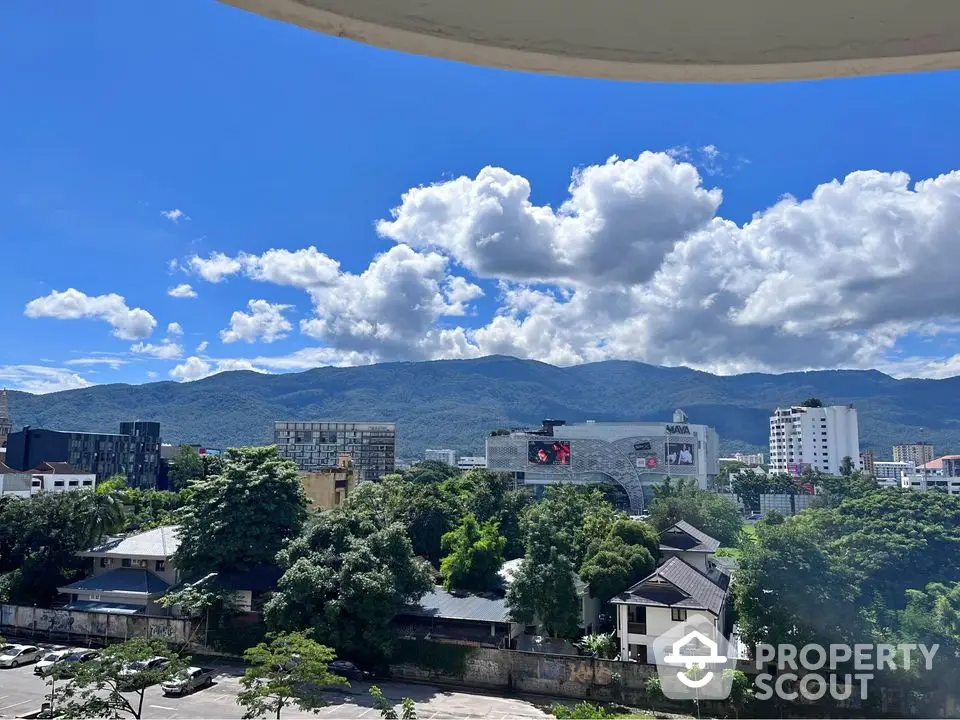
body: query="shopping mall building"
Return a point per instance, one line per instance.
(632, 456)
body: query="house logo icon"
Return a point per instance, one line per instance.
(691, 657)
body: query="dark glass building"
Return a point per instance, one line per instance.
(134, 452)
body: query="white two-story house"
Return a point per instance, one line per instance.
(130, 574)
(689, 581)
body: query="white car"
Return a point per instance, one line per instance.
(45, 665)
(16, 655)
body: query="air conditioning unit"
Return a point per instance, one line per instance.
(141, 563)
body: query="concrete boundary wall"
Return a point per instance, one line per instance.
(93, 628)
(563, 676)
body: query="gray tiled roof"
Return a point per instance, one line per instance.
(680, 585)
(691, 540)
(159, 543)
(439, 603)
(125, 580)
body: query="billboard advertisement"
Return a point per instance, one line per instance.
(797, 469)
(680, 453)
(548, 452)
(647, 463)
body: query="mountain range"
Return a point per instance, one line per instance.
(455, 403)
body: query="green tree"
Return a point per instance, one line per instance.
(846, 466)
(474, 555)
(242, 517)
(544, 592)
(185, 468)
(812, 403)
(105, 512)
(39, 541)
(715, 515)
(788, 590)
(102, 687)
(408, 710)
(428, 512)
(613, 566)
(288, 671)
(741, 690)
(346, 576)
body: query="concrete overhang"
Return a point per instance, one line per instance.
(658, 40)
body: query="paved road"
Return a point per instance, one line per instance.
(21, 692)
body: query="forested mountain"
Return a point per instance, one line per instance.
(455, 403)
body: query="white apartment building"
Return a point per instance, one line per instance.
(471, 462)
(445, 456)
(46, 477)
(917, 453)
(817, 438)
(885, 470)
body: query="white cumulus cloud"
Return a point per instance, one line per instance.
(40, 379)
(175, 215)
(71, 304)
(265, 321)
(202, 347)
(174, 329)
(636, 262)
(165, 350)
(183, 290)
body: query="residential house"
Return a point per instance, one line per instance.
(461, 618)
(252, 587)
(684, 541)
(691, 580)
(61, 477)
(130, 574)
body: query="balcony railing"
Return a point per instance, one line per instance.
(637, 628)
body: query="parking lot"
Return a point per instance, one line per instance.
(23, 692)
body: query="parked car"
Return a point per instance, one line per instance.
(132, 675)
(185, 682)
(77, 656)
(16, 655)
(347, 669)
(45, 665)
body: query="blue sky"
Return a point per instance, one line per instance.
(262, 136)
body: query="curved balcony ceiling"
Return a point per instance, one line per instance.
(665, 40)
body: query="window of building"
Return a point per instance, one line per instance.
(104, 562)
(58, 483)
(74, 483)
(126, 562)
(160, 565)
(678, 615)
(87, 482)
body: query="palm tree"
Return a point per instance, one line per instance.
(105, 514)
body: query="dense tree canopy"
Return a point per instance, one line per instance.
(39, 539)
(683, 500)
(473, 555)
(851, 571)
(626, 555)
(185, 467)
(347, 574)
(242, 517)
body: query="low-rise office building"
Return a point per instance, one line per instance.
(471, 462)
(632, 456)
(318, 445)
(328, 487)
(445, 456)
(134, 452)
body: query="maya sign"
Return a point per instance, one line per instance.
(678, 430)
